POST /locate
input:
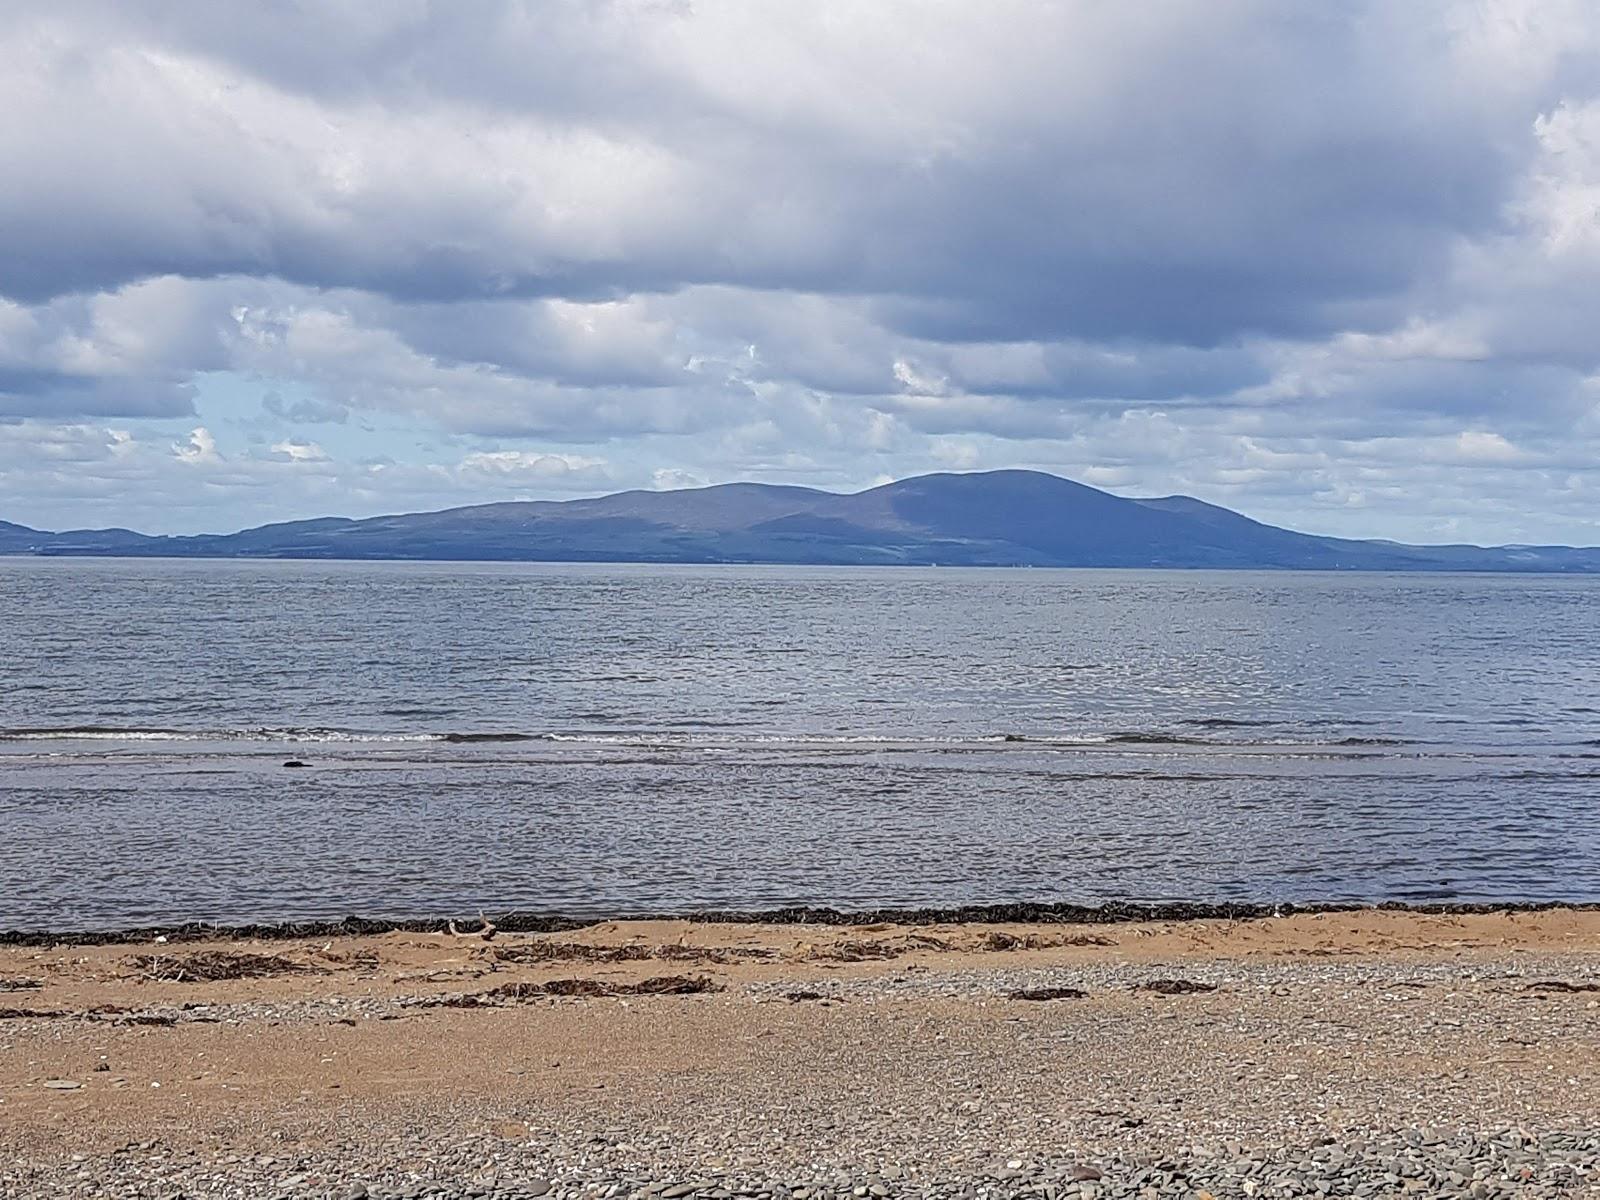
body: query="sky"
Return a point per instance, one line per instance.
(1335, 266)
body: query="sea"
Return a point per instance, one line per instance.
(599, 740)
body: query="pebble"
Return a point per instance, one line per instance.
(977, 1141)
(1406, 1162)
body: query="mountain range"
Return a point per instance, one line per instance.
(991, 518)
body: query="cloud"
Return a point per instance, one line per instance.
(1478, 445)
(309, 411)
(300, 452)
(533, 467)
(88, 475)
(201, 448)
(1009, 171)
(671, 478)
(1310, 262)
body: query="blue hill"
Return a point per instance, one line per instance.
(993, 518)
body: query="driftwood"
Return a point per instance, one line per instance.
(486, 932)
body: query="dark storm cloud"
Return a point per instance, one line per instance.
(31, 393)
(1187, 173)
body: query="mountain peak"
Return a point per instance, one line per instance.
(977, 518)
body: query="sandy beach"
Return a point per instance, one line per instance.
(1373, 1053)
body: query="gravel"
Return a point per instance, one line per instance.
(1393, 982)
(1419, 1163)
(866, 1126)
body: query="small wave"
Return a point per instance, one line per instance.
(334, 735)
(698, 740)
(1048, 739)
(1160, 738)
(104, 733)
(1134, 737)
(675, 738)
(469, 738)
(99, 733)
(678, 739)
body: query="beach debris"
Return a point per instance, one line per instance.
(486, 931)
(659, 985)
(353, 959)
(20, 984)
(553, 951)
(1047, 993)
(62, 1085)
(850, 951)
(998, 939)
(23, 1014)
(209, 966)
(797, 997)
(1174, 987)
(1562, 986)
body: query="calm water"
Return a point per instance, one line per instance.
(603, 739)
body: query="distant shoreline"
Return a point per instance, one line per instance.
(1491, 572)
(1113, 913)
(1007, 518)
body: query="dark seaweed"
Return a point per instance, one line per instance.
(977, 914)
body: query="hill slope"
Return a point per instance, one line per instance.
(994, 518)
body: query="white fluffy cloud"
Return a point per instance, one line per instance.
(1337, 267)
